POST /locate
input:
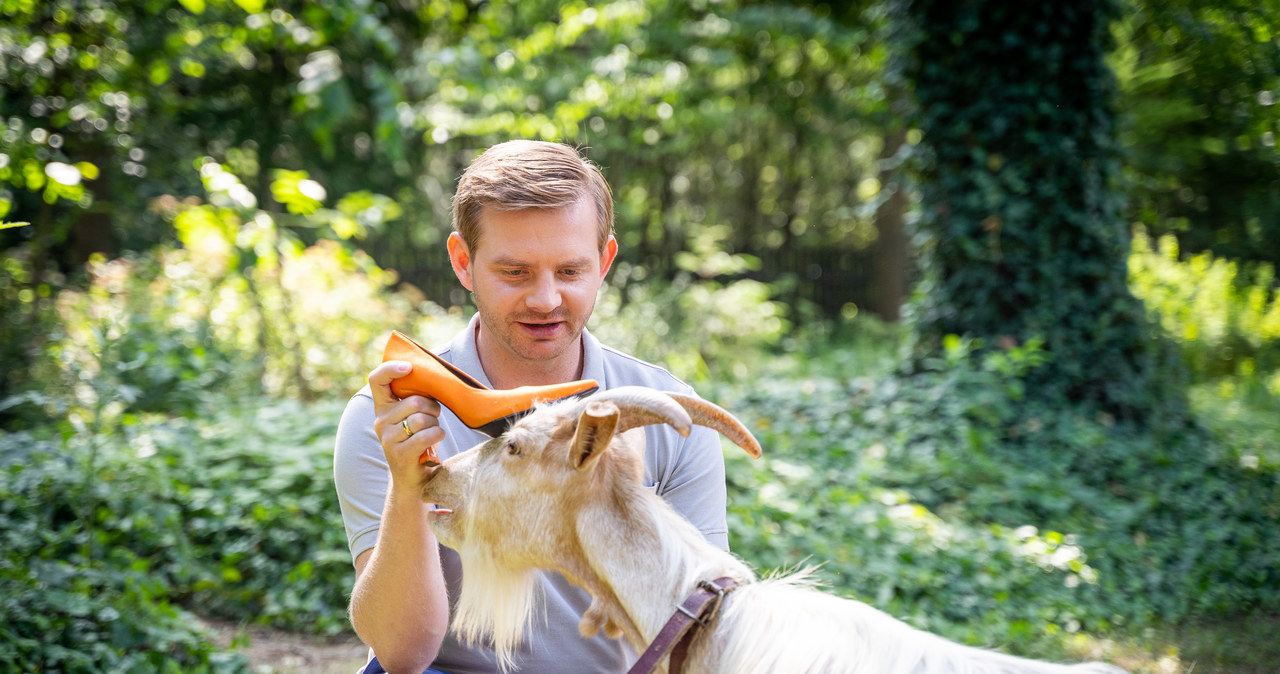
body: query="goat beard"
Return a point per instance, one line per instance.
(495, 603)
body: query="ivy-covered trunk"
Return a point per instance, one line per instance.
(1019, 211)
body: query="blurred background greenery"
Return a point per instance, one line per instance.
(994, 284)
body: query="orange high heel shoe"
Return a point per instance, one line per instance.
(486, 410)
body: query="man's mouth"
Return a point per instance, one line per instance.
(541, 329)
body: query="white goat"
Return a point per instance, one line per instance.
(562, 490)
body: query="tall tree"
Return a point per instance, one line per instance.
(1019, 203)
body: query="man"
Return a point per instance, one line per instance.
(533, 242)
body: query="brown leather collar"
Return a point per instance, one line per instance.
(674, 637)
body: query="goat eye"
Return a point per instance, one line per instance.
(512, 449)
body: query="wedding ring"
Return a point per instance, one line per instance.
(404, 423)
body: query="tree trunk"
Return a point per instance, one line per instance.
(1018, 198)
(889, 259)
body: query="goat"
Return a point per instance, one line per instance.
(562, 490)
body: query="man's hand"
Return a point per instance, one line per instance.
(408, 429)
(399, 604)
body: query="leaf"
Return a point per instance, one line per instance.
(87, 169)
(159, 72)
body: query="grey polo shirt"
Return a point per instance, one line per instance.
(687, 472)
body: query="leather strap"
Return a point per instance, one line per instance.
(674, 637)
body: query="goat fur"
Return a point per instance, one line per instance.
(554, 494)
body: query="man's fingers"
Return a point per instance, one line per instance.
(407, 420)
(410, 428)
(382, 376)
(383, 399)
(419, 414)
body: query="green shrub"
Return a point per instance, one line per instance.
(939, 496)
(244, 306)
(1226, 320)
(699, 328)
(258, 508)
(853, 474)
(108, 533)
(1019, 232)
(73, 596)
(922, 491)
(946, 495)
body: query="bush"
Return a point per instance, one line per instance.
(939, 496)
(244, 306)
(74, 598)
(943, 495)
(699, 328)
(1226, 319)
(946, 495)
(108, 533)
(851, 476)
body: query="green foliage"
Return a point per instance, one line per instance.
(732, 117)
(26, 312)
(942, 496)
(683, 104)
(80, 593)
(1021, 234)
(243, 306)
(262, 538)
(109, 105)
(1226, 321)
(151, 483)
(107, 533)
(1199, 122)
(692, 324)
(998, 493)
(135, 90)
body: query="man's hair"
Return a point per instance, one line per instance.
(529, 174)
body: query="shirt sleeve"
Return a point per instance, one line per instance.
(360, 474)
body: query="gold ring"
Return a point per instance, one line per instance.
(404, 423)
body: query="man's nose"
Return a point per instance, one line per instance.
(544, 296)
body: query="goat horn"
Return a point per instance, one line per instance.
(705, 413)
(641, 406)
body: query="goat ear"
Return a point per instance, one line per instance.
(595, 430)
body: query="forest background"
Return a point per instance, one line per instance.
(994, 285)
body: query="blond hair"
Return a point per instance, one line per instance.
(529, 174)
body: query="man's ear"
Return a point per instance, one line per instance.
(607, 255)
(460, 258)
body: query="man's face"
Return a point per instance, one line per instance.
(535, 277)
